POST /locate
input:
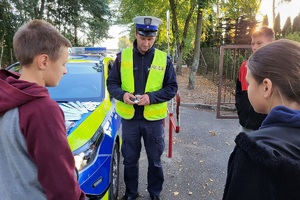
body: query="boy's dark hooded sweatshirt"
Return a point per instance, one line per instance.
(36, 160)
(265, 164)
(248, 118)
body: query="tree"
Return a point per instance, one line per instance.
(274, 8)
(273, 13)
(8, 24)
(98, 19)
(296, 24)
(209, 32)
(240, 18)
(265, 21)
(287, 28)
(128, 9)
(195, 64)
(180, 42)
(277, 27)
(83, 22)
(124, 42)
(244, 28)
(234, 9)
(237, 27)
(182, 14)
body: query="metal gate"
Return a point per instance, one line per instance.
(231, 57)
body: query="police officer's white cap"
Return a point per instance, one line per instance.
(147, 25)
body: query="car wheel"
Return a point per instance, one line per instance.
(114, 174)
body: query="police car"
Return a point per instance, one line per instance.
(93, 127)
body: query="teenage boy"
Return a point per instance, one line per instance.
(36, 160)
(248, 118)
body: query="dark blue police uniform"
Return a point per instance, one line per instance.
(138, 127)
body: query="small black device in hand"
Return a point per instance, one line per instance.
(136, 99)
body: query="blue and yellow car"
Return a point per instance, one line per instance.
(93, 126)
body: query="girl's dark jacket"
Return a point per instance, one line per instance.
(265, 164)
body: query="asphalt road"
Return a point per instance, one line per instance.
(197, 168)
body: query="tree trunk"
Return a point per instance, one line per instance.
(75, 36)
(195, 64)
(273, 13)
(39, 11)
(179, 61)
(2, 48)
(175, 29)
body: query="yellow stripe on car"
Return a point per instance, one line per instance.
(106, 196)
(85, 131)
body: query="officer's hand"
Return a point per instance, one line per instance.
(127, 98)
(144, 100)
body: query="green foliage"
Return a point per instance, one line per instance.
(83, 22)
(8, 25)
(265, 21)
(124, 42)
(209, 60)
(208, 33)
(277, 27)
(233, 9)
(130, 8)
(293, 36)
(86, 22)
(287, 28)
(238, 21)
(296, 24)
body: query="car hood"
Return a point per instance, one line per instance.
(76, 112)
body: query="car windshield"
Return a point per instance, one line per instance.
(83, 82)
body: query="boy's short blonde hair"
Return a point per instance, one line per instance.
(264, 32)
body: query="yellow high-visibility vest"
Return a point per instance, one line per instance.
(154, 82)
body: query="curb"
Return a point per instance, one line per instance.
(198, 105)
(207, 106)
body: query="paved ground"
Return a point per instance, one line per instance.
(197, 169)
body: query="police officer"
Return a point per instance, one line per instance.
(142, 80)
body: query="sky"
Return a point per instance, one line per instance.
(286, 10)
(291, 9)
(116, 32)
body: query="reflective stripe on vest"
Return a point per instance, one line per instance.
(154, 82)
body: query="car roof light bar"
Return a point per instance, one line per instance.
(87, 50)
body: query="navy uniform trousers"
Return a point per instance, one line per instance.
(152, 133)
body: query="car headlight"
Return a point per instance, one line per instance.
(87, 153)
(79, 162)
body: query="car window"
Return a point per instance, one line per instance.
(84, 82)
(15, 67)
